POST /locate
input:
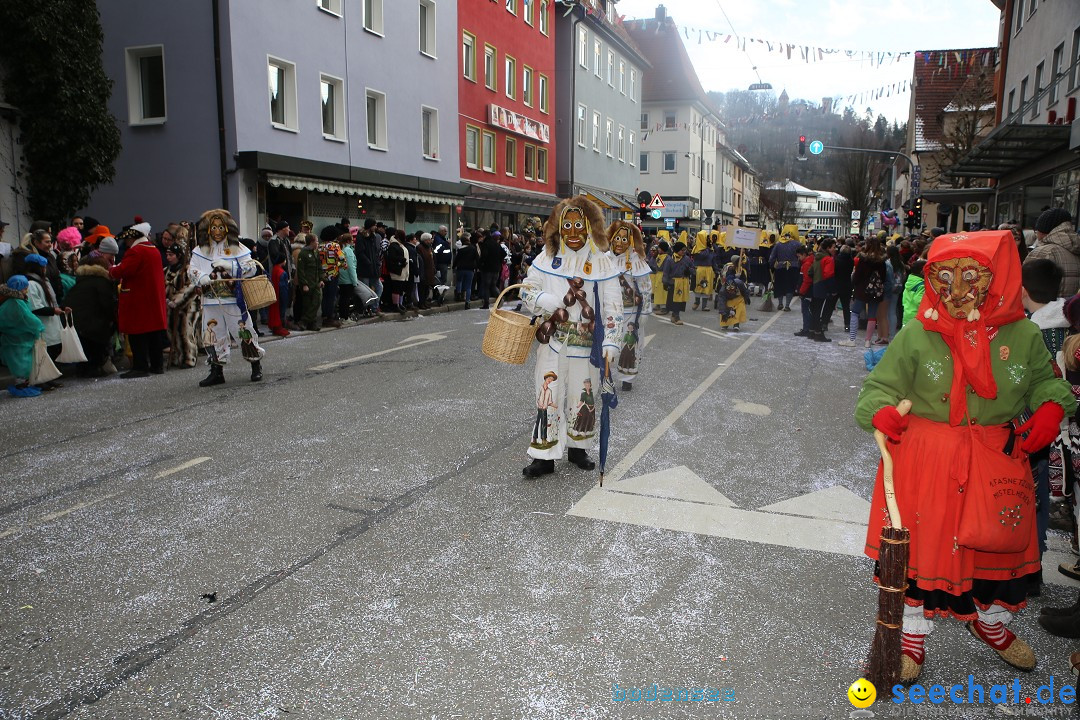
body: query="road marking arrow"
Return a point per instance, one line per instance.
(410, 342)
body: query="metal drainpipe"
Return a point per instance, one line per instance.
(222, 152)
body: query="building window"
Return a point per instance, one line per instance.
(427, 27)
(510, 161)
(376, 120)
(541, 165)
(511, 6)
(633, 84)
(1035, 94)
(669, 161)
(609, 135)
(472, 147)
(510, 71)
(1023, 92)
(670, 120)
(583, 48)
(581, 113)
(644, 122)
(331, 6)
(611, 68)
(597, 54)
(1074, 61)
(1012, 101)
(491, 71)
(1055, 74)
(145, 68)
(1034, 7)
(530, 162)
(543, 89)
(527, 11)
(622, 144)
(332, 94)
(622, 76)
(527, 85)
(643, 162)
(488, 150)
(1019, 10)
(282, 94)
(596, 131)
(468, 55)
(631, 154)
(543, 12)
(429, 123)
(373, 20)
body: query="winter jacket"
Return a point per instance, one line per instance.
(368, 255)
(1054, 325)
(442, 251)
(348, 272)
(1062, 245)
(466, 258)
(142, 290)
(914, 289)
(19, 329)
(427, 275)
(93, 303)
(397, 261)
(807, 270)
(492, 256)
(844, 262)
(308, 269)
(823, 274)
(784, 252)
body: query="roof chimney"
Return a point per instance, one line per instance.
(661, 13)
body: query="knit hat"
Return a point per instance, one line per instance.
(1071, 311)
(108, 246)
(18, 283)
(1051, 218)
(36, 259)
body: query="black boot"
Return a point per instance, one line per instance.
(216, 377)
(627, 387)
(256, 371)
(579, 457)
(1066, 626)
(539, 467)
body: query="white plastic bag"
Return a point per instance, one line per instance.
(72, 349)
(43, 370)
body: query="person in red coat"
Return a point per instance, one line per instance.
(143, 317)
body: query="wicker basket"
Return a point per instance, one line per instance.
(258, 291)
(509, 336)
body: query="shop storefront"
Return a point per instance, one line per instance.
(488, 204)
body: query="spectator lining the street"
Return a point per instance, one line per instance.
(1059, 242)
(142, 310)
(93, 303)
(19, 330)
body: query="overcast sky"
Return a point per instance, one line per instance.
(876, 25)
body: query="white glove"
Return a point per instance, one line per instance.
(548, 301)
(611, 354)
(223, 265)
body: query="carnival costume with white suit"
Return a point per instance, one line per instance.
(218, 263)
(628, 254)
(556, 283)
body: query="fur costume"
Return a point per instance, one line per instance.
(185, 306)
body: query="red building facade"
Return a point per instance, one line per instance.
(506, 105)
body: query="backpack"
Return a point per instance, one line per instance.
(875, 287)
(731, 289)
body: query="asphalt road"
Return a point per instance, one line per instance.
(353, 538)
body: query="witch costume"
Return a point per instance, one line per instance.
(185, 302)
(574, 285)
(970, 366)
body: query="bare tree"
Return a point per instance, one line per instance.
(779, 204)
(854, 180)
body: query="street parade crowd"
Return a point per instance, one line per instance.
(972, 340)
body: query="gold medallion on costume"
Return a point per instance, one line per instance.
(587, 268)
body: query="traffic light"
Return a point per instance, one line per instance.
(643, 210)
(917, 213)
(643, 199)
(802, 146)
(909, 221)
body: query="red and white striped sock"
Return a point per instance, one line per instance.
(912, 646)
(996, 635)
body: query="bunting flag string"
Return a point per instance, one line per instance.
(949, 61)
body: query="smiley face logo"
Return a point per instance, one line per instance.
(862, 693)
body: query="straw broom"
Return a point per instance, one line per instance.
(883, 667)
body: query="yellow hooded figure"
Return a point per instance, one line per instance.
(763, 239)
(704, 276)
(789, 233)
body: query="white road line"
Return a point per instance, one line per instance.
(178, 468)
(423, 340)
(718, 336)
(648, 339)
(58, 514)
(658, 432)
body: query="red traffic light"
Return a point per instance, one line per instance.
(802, 138)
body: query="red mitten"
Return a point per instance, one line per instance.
(889, 421)
(1042, 428)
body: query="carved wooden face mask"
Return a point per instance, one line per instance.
(217, 230)
(961, 283)
(574, 229)
(620, 242)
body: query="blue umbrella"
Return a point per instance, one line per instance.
(607, 386)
